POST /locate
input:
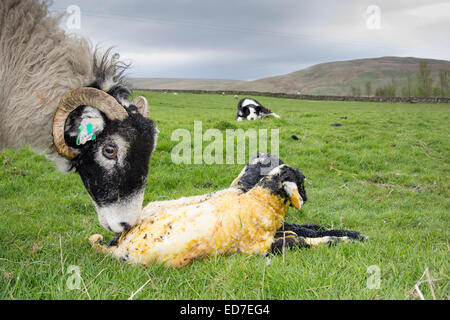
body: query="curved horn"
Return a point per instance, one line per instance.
(79, 97)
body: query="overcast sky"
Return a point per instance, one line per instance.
(245, 40)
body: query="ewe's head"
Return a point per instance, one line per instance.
(109, 144)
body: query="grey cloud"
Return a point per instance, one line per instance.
(253, 39)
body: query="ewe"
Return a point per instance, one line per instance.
(45, 104)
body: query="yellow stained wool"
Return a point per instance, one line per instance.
(176, 232)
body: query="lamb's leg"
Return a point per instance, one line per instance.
(292, 235)
(97, 243)
(287, 239)
(316, 231)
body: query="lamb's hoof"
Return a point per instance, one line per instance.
(96, 239)
(351, 237)
(356, 236)
(332, 241)
(362, 237)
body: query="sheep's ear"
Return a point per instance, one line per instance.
(238, 178)
(142, 106)
(292, 190)
(83, 124)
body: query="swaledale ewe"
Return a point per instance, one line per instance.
(251, 109)
(246, 218)
(68, 101)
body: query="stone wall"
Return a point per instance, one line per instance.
(308, 97)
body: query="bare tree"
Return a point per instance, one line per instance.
(424, 80)
(409, 84)
(443, 79)
(368, 88)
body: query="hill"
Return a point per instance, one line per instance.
(337, 78)
(181, 84)
(331, 78)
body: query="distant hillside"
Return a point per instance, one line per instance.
(337, 78)
(331, 78)
(180, 84)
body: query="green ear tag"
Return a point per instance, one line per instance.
(88, 130)
(79, 133)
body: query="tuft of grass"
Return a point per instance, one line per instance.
(384, 172)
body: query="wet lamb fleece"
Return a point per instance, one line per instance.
(225, 222)
(243, 218)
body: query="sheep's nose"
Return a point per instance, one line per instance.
(118, 227)
(125, 226)
(121, 216)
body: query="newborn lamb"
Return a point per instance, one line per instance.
(224, 222)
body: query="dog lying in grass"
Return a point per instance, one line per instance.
(246, 218)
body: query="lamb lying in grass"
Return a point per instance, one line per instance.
(247, 218)
(226, 222)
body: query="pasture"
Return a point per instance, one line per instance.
(385, 172)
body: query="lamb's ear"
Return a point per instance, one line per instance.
(238, 178)
(83, 124)
(142, 106)
(292, 190)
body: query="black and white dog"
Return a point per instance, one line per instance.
(251, 109)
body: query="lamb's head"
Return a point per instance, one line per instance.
(258, 167)
(109, 145)
(288, 183)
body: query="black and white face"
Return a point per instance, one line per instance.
(253, 112)
(249, 109)
(114, 166)
(249, 112)
(258, 167)
(284, 180)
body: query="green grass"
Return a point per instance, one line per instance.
(385, 173)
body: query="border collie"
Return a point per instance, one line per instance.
(251, 109)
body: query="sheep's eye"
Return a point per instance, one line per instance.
(110, 152)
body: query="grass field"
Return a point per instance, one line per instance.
(384, 172)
